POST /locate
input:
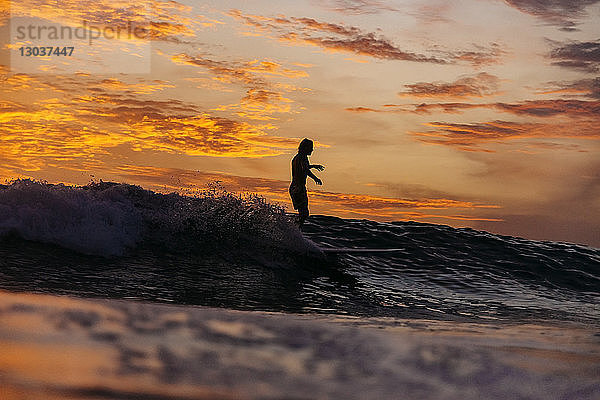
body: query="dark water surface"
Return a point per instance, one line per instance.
(120, 241)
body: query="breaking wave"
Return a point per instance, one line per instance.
(109, 219)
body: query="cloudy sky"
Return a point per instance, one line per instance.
(470, 113)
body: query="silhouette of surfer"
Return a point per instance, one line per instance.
(300, 170)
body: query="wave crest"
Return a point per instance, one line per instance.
(106, 218)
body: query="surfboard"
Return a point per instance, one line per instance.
(351, 250)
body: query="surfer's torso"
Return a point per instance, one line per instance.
(300, 168)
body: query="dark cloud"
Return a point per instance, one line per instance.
(422, 108)
(312, 24)
(369, 44)
(471, 137)
(481, 56)
(548, 108)
(583, 56)
(229, 70)
(533, 108)
(572, 118)
(124, 109)
(261, 96)
(432, 13)
(583, 87)
(562, 13)
(349, 39)
(480, 85)
(249, 73)
(425, 108)
(355, 7)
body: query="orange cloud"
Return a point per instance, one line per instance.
(408, 216)
(82, 131)
(260, 104)
(134, 88)
(18, 81)
(341, 204)
(47, 133)
(164, 21)
(83, 128)
(261, 100)
(375, 202)
(273, 68)
(204, 135)
(74, 82)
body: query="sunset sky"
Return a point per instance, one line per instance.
(470, 113)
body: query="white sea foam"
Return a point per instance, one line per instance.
(95, 222)
(108, 218)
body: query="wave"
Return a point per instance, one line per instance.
(239, 251)
(105, 218)
(463, 256)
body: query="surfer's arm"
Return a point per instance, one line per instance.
(317, 166)
(315, 178)
(306, 167)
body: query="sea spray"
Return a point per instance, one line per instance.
(108, 219)
(90, 221)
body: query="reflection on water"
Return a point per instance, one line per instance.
(57, 348)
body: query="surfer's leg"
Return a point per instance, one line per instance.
(302, 206)
(300, 202)
(302, 215)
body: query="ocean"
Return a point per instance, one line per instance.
(237, 259)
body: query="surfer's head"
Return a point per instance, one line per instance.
(305, 147)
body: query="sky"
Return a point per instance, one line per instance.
(469, 113)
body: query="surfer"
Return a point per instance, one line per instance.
(300, 170)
